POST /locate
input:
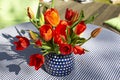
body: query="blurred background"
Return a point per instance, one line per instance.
(14, 12)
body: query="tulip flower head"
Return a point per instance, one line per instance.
(36, 60)
(22, 43)
(52, 17)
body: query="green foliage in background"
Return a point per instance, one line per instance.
(13, 12)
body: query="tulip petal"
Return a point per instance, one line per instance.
(78, 50)
(52, 17)
(22, 43)
(36, 60)
(80, 28)
(46, 32)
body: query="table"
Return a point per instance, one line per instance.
(104, 11)
(101, 63)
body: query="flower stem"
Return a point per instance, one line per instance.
(38, 11)
(81, 16)
(34, 24)
(52, 6)
(86, 40)
(45, 54)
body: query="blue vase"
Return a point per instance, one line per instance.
(59, 65)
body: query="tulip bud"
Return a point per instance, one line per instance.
(33, 35)
(42, 21)
(95, 32)
(30, 13)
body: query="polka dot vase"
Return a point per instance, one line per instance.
(59, 65)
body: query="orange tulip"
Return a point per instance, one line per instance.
(46, 32)
(52, 17)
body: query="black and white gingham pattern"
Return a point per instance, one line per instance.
(101, 63)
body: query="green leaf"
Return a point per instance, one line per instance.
(69, 40)
(86, 50)
(81, 16)
(34, 22)
(46, 47)
(52, 5)
(41, 21)
(90, 19)
(45, 7)
(62, 38)
(68, 36)
(44, 51)
(38, 11)
(74, 41)
(81, 40)
(56, 50)
(73, 36)
(49, 44)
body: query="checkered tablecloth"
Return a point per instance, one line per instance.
(101, 63)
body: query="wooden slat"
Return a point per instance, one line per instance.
(93, 10)
(105, 11)
(106, 14)
(99, 10)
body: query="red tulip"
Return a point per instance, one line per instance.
(69, 14)
(57, 37)
(38, 43)
(22, 43)
(65, 49)
(46, 32)
(36, 60)
(80, 28)
(52, 17)
(78, 50)
(59, 33)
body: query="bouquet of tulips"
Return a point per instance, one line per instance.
(55, 35)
